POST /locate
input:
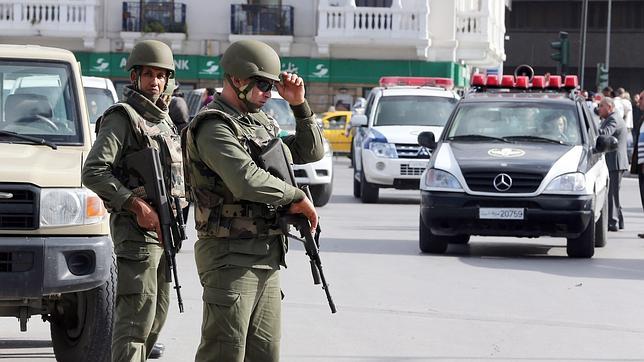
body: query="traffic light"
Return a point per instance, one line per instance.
(602, 76)
(562, 52)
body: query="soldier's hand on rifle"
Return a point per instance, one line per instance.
(305, 207)
(146, 217)
(291, 88)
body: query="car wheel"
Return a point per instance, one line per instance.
(321, 193)
(601, 226)
(428, 242)
(368, 192)
(81, 323)
(584, 245)
(356, 186)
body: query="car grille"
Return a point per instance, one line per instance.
(406, 170)
(521, 182)
(20, 211)
(16, 261)
(412, 151)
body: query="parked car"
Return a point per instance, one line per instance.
(100, 94)
(56, 257)
(385, 152)
(336, 127)
(522, 160)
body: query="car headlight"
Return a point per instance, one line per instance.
(442, 180)
(70, 206)
(328, 152)
(382, 149)
(568, 183)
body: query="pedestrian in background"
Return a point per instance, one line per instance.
(240, 249)
(178, 108)
(617, 161)
(141, 121)
(208, 97)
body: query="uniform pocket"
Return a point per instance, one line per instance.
(136, 270)
(220, 297)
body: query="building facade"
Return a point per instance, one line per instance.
(533, 24)
(340, 47)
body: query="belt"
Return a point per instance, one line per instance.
(248, 210)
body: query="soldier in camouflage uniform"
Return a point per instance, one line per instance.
(239, 249)
(140, 121)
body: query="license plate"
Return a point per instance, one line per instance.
(417, 164)
(500, 213)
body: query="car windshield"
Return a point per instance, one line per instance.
(98, 100)
(509, 121)
(279, 109)
(413, 111)
(38, 100)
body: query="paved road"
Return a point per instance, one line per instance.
(496, 299)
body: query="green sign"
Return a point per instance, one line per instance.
(208, 68)
(320, 70)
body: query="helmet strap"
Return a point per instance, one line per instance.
(242, 93)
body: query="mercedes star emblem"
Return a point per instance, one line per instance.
(502, 182)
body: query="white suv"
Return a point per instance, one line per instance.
(385, 148)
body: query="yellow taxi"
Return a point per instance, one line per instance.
(336, 130)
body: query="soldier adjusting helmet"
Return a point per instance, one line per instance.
(251, 58)
(152, 53)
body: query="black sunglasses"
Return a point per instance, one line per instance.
(263, 84)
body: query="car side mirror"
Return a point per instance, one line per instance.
(427, 139)
(605, 143)
(359, 120)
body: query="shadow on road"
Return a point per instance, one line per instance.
(9, 348)
(383, 199)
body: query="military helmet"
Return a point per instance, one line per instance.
(152, 53)
(251, 58)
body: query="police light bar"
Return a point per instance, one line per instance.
(538, 81)
(492, 80)
(554, 82)
(522, 82)
(571, 82)
(446, 83)
(478, 80)
(507, 81)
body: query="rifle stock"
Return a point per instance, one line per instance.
(146, 166)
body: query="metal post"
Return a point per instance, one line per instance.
(607, 63)
(582, 47)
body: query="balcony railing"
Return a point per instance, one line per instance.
(64, 18)
(261, 19)
(372, 22)
(154, 17)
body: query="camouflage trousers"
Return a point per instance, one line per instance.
(241, 315)
(142, 300)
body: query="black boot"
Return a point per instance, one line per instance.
(157, 351)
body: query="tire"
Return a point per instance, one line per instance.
(81, 323)
(428, 242)
(368, 192)
(356, 187)
(584, 245)
(601, 227)
(321, 193)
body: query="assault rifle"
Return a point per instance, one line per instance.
(146, 166)
(273, 159)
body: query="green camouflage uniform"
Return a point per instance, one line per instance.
(142, 293)
(239, 250)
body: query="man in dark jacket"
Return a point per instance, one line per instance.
(178, 109)
(617, 161)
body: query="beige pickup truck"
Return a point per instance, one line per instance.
(56, 257)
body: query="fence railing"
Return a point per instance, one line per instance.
(47, 16)
(261, 19)
(373, 22)
(154, 17)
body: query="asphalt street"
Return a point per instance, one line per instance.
(503, 299)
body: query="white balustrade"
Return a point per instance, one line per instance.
(371, 22)
(65, 18)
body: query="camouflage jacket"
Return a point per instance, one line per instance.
(126, 128)
(234, 198)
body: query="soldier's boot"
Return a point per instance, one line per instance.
(157, 351)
